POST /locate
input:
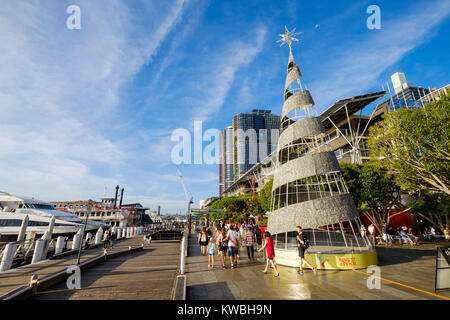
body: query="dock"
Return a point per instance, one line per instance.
(149, 273)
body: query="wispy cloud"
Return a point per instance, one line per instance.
(205, 176)
(59, 90)
(216, 83)
(357, 65)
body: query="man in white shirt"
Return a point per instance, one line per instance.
(242, 230)
(232, 243)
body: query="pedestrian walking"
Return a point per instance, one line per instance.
(203, 241)
(386, 230)
(113, 239)
(106, 240)
(222, 246)
(238, 244)
(258, 235)
(249, 244)
(231, 237)
(270, 250)
(303, 245)
(211, 252)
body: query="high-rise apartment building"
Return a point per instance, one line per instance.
(253, 136)
(226, 177)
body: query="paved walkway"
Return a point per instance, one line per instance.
(146, 275)
(408, 267)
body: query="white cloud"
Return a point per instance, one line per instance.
(59, 90)
(359, 65)
(217, 82)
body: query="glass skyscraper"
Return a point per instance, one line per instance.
(253, 136)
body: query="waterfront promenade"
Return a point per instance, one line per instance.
(408, 274)
(149, 273)
(145, 275)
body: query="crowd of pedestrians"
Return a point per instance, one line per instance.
(227, 241)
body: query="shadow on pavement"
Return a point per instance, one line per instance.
(210, 291)
(392, 255)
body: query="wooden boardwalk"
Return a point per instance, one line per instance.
(146, 275)
(412, 267)
(17, 277)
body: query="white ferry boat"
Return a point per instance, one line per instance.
(14, 208)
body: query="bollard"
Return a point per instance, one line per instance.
(8, 256)
(33, 282)
(98, 238)
(38, 250)
(183, 246)
(60, 244)
(76, 242)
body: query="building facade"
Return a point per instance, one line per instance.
(252, 138)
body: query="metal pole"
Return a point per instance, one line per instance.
(183, 246)
(88, 212)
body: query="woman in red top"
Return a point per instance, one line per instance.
(270, 250)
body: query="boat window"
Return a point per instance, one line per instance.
(20, 206)
(43, 206)
(37, 223)
(10, 223)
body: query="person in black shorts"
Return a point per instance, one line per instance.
(258, 236)
(203, 241)
(302, 246)
(222, 245)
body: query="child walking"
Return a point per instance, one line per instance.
(211, 252)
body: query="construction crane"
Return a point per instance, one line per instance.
(189, 200)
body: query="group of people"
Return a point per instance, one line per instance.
(404, 233)
(109, 240)
(228, 239)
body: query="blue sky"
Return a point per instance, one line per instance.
(95, 107)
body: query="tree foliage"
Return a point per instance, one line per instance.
(265, 195)
(413, 145)
(373, 190)
(435, 209)
(239, 208)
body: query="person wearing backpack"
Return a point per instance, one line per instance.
(203, 241)
(303, 245)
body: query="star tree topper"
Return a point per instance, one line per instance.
(288, 37)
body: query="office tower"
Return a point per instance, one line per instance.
(255, 136)
(226, 176)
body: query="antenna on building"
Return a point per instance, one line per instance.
(104, 194)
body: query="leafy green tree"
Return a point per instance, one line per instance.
(373, 190)
(238, 208)
(414, 145)
(265, 196)
(435, 209)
